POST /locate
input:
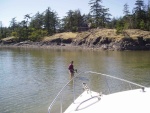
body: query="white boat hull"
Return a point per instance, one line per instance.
(132, 101)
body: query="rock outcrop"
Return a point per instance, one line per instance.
(104, 39)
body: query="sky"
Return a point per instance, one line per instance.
(19, 8)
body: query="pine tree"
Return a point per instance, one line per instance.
(50, 21)
(73, 21)
(105, 16)
(127, 17)
(37, 21)
(13, 24)
(96, 11)
(148, 16)
(139, 14)
(99, 14)
(126, 9)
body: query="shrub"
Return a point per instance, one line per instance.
(37, 35)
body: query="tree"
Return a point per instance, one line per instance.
(78, 20)
(148, 16)
(74, 21)
(27, 17)
(127, 17)
(100, 14)
(126, 11)
(96, 11)
(22, 31)
(36, 27)
(68, 21)
(13, 24)
(1, 30)
(37, 21)
(88, 20)
(105, 16)
(139, 5)
(50, 21)
(139, 13)
(25, 25)
(119, 26)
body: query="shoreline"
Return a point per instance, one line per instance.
(38, 45)
(94, 39)
(59, 47)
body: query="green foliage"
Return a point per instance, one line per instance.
(142, 25)
(13, 24)
(22, 34)
(37, 35)
(39, 26)
(140, 18)
(74, 21)
(15, 34)
(37, 21)
(4, 32)
(74, 29)
(119, 27)
(50, 21)
(126, 9)
(100, 14)
(126, 25)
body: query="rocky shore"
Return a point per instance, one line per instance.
(98, 39)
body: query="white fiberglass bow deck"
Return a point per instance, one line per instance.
(132, 101)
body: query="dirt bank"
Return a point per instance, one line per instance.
(102, 39)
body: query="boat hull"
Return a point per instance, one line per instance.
(132, 101)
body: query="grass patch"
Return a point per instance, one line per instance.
(65, 35)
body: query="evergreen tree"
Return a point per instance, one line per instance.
(105, 17)
(126, 11)
(127, 17)
(37, 21)
(73, 21)
(26, 25)
(100, 14)
(139, 5)
(27, 17)
(113, 23)
(50, 21)
(148, 16)
(68, 21)
(89, 20)
(120, 26)
(1, 30)
(139, 13)
(22, 31)
(13, 24)
(96, 11)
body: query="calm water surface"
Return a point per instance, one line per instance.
(31, 78)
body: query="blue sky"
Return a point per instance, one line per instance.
(18, 8)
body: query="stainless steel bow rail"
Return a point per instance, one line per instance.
(86, 72)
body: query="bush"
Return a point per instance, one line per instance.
(15, 34)
(37, 35)
(142, 25)
(119, 27)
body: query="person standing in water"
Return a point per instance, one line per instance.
(71, 69)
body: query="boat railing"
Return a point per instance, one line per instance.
(133, 83)
(86, 72)
(72, 79)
